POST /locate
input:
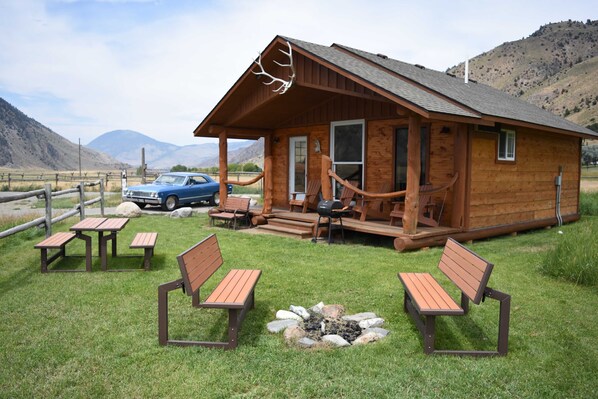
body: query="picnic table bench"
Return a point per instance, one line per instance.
(235, 292)
(425, 297)
(57, 241)
(146, 241)
(235, 208)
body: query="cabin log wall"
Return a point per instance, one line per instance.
(511, 192)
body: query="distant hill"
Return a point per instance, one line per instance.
(253, 153)
(555, 68)
(27, 144)
(125, 145)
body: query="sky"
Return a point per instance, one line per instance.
(86, 67)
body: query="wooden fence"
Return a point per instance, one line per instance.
(47, 194)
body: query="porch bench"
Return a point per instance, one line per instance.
(55, 241)
(426, 298)
(147, 241)
(235, 292)
(235, 208)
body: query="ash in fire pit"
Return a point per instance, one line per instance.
(325, 324)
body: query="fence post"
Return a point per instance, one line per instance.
(81, 201)
(9, 182)
(102, 197)
(56, 179)
(48, 195)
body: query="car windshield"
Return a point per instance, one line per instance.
(170, 180)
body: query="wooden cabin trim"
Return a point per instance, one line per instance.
(375, 88)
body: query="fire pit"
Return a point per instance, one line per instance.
(325, 325)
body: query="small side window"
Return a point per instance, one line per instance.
(506, 145)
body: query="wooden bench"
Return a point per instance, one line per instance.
(235, 208)
(425, 298)
(56, 241)
(147, 241)
(235, 292)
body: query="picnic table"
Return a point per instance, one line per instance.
(101, 226)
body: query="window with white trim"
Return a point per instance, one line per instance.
(506, 145)
(347, 151)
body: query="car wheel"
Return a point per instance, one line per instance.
(215, 200)
(171, 203)
(141, 205)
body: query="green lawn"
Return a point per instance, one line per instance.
(94, 334)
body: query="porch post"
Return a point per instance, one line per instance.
(223, 156)
(268, 180)
(458, 217)
(413, 175)
(326, 184)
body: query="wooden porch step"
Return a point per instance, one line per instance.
(285, 230)
(292, 224)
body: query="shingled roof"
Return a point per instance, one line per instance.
(435, 91)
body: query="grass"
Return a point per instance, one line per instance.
(588, 203)
(575, 256)
(95, 334)
(70, 202)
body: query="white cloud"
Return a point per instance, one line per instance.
(161, 76)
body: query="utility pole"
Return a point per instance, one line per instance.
(79, 157)
(143, 165)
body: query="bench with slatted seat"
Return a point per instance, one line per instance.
(235, 292)
(56, 241)
(146, 241)
(235, 208)
(425, 298)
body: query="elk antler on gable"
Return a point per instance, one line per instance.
(284, 84)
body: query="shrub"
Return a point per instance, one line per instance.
(575, 257)
(588, 203)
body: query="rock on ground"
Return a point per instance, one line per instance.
(360, 316)
(300, 310)
(294, 333)
(333, 311)
(369, 323)
(380, 331)
(306, 342)
(335, 340)
(277, 326)
(366, 338)
(128, 209)
(181, 213)
(285, 314)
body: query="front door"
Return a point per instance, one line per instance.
(298, 165)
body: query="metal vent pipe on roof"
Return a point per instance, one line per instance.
(466, 74)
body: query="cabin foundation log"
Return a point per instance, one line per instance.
(405, 243)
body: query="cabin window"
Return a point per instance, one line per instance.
(347, 139)
(401, 135)
(506, 145)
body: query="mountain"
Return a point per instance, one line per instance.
(555, 68)
(125, 145)
(253, 153)
(27, 144)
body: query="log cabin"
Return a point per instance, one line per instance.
(496, 165)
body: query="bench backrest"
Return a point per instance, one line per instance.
(239, 204)
(466, 269)
(199, 262)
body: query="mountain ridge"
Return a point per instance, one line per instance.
(26, 144)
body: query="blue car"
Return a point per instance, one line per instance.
(170, 190)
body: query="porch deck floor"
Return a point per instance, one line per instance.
(377, 227)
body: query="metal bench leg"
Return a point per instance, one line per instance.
(233, 328)
(147, 258)
(163, 290)
(429, 334)
(44, 260)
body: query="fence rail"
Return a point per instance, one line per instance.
(47, 194)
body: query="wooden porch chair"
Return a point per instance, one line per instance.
(364, 204)
(426, 209)
(310, 199)
(347, 195)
